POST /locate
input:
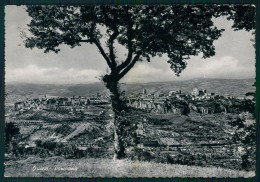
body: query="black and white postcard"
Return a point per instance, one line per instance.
(130, 91)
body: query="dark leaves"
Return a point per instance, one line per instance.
(180, 31)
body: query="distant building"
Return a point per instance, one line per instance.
(250, 97)
(144, 91)
(19, 105)
(161, 95)
(227, 96)
(202, 92)
(180, 96)
(195, 92)
(241, 98)
(173, 92)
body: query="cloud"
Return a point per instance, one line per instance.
(141, 73)
(235, 58)
(35, 74)
(156, 71)
(224, 67)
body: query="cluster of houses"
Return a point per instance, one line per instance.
(72, 105)
(196, 94)
(146, 95)
(79, 104)
(160, 102)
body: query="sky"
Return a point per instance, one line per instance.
(234, 59)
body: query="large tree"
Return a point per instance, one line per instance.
(179, 31)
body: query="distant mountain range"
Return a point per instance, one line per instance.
(235, 87)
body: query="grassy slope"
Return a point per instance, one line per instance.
(113, 168)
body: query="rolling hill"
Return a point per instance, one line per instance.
(235, 87)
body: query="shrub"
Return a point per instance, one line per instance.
(64, 129)
(249, 141)
(38, 143)
(11, 131)
(11, 134)
(170, 159)
(238, 122)
(49, 145)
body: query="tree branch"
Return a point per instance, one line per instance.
(87, 40)
(129, 57)
(111, 47)
(103, 53)
(130, 47)
(130, 66)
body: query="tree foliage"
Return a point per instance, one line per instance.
(180, 31)
(243, 17)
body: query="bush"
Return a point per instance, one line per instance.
(63, 129)
(249, 141)
(49, 145)
(11, 131)
(238, 122)
(34, 151)
(246, 136)
(11, 134)
(170, 159)
(38, 143)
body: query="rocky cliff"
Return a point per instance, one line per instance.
(184, 107)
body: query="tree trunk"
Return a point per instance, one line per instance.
(118, 106)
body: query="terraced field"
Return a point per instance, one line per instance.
(194, 140)
(203, 140)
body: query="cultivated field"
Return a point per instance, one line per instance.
(156, 145)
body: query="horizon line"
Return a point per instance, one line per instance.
(20, 82)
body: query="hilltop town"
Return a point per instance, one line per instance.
(199, 101)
